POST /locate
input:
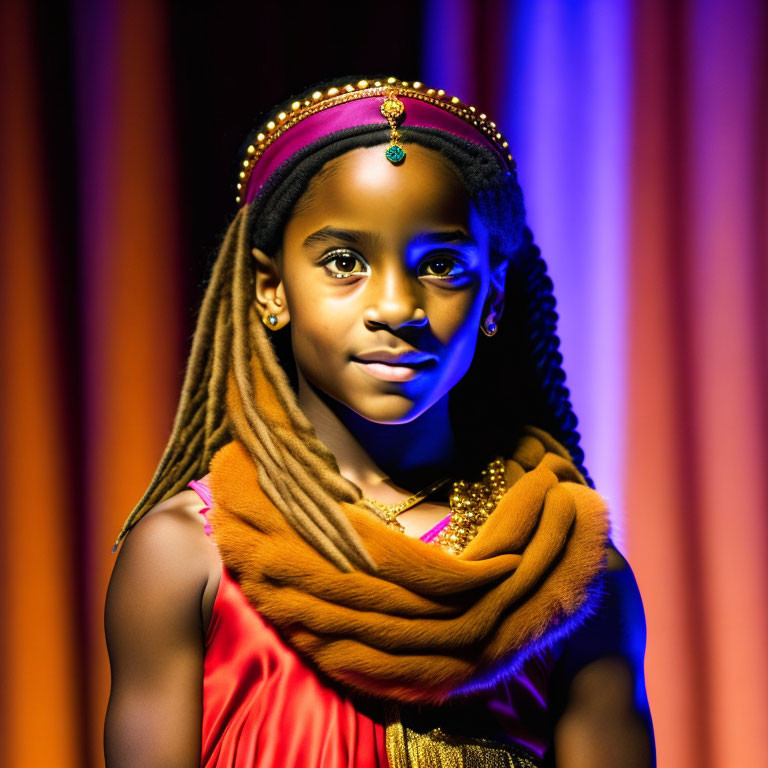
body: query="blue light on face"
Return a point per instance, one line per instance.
(565, 75)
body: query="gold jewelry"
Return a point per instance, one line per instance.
(470, 505)
(489, 328)
(393, 109)
(269, 320)
(389, 512)
(319, 101)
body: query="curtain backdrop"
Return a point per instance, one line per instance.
(641, 133)
(40, 700)
(640, 128)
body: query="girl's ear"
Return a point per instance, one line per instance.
(269, 290)
(494, 303)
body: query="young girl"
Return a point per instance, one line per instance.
(390, 552)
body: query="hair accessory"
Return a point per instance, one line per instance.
(392, 109)
(489, 329)
(323, 113)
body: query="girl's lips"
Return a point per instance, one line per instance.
(389, 372)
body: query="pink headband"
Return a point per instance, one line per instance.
(390, 102)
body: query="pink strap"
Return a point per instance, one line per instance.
(432, 533)
(204, 492)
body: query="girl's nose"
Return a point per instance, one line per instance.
(394, 301)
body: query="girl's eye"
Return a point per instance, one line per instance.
(342, 263)
(442, 266)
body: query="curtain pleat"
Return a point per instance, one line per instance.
(131, 278)
(40, 692)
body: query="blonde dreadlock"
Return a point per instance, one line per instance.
(230, 352)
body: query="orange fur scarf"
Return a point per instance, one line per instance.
(428, 624)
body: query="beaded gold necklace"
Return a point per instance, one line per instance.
(470, 505)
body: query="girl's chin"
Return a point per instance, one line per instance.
(390, 409)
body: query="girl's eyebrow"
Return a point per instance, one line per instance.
(327, 234)
(457, 236)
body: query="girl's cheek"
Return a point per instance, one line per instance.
(448, 318)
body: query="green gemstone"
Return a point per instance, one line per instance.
(395, 154)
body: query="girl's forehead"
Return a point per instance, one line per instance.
(371, 160)
(363, 183)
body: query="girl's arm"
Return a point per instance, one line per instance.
(606, 720)
(155, 642)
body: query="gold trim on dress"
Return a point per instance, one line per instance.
(409, 748)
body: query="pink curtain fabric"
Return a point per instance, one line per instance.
(696, 411)
(641, 133)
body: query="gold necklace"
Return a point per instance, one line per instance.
(470, 504)
(389, 512)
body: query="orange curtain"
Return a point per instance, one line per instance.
(40, 696)
(60, 516)
(132, 315)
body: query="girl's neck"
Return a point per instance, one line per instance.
(409, 456)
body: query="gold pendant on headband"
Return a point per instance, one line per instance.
(394, 110)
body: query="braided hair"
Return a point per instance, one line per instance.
(516, 378)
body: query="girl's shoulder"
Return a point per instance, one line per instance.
(616, 626)
(166, 556)
(173, 525)
(615, 560)
(154, 630)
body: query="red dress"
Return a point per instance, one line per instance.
(264, 706)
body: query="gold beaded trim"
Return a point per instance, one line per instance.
(319, 101)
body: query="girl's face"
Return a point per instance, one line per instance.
(385, 277)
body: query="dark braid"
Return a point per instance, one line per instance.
(556, 412)
(516, 377)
